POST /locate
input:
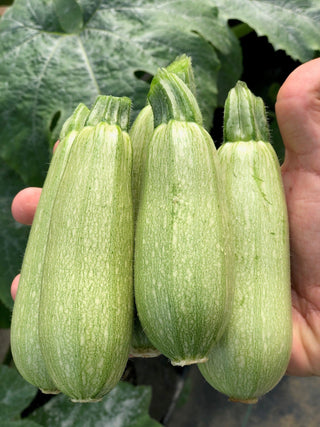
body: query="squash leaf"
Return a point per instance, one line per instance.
(124, 406)
(292, 26)
(15, 394)
(19, 423)
(69, 14)
(49, 64)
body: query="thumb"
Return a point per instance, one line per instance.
(298, 116)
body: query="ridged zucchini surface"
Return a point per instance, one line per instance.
(181, 285)
(141, 134)
(86, 304)
(253, 353)
(25, 344)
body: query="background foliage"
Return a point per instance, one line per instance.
(55, 54)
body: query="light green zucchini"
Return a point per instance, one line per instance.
(253, 354)
(142, 129)
(181, 283)
(25, 345)
(140, 135)
(141, 346)
(86, 304)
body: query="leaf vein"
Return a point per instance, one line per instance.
(88, 65)
(36, 97)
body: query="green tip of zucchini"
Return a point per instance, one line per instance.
(112, 109)
(97, 111)
(244, 116)
(76, 121)
(182, 67)
(118, 112)
(171, 99)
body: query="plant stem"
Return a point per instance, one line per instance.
(241, 30)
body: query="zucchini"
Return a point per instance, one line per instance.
(253, 354)
(142, 129)
(25, 344)
(86, 304)
(140, 135)
(181, 283)
(141, 346)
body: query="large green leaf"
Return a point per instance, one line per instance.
(15, 394)
(290, 25)
(13, 236)
(20, 423)
(124, 406)
(45, 70)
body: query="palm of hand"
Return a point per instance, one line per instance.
(298, 114)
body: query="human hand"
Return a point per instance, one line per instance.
(298, 115)
(23, 209)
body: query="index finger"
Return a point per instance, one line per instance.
(24, 205)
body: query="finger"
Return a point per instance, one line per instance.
(14, 286)
(23, 208)
(24, 205)
(298, 116)
(55, 145)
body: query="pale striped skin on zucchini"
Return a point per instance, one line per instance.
(25, 345)
(142, 129)
(86, 305)
(181, 285)
(141, 135)
(253, 354)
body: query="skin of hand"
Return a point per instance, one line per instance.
(23, 208)
(298, 116)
